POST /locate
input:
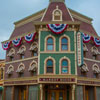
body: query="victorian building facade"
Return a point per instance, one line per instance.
(2, 67)
(53, 55)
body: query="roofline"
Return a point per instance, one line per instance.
(81, 14)
(17, 22)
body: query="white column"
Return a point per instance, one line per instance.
(73, 92)
(41, 92)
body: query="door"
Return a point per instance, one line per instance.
(22, 93)
(87, 94)
(57, 95)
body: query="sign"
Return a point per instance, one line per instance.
(79, 49)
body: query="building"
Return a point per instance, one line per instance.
(2, 66)
(53, 55)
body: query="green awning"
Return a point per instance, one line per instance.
(1, 88)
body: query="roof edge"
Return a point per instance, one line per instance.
(17, 22)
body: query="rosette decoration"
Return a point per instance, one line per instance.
(6, 45)
(17, 42)
(57, 28)
(30, 37)
(86, 38)
(96, 41)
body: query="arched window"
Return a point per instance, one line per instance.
(64, 66)
(49, 66)
(50, 44)
(64, 43)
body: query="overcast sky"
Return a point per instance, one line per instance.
(14, 10)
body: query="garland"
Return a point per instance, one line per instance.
(57, 28)
(86, 38)
(6, 45)
(17, 42)
(96, 41)
(30, 37)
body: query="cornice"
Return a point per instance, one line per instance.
(31, 58)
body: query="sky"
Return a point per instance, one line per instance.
(14, 10)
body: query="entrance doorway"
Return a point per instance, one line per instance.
(20, 93)
(57, 95)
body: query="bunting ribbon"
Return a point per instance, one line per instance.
(86, 38)
(6, 45)
(96, 41)
(30, 37)
(57, 28)
(17, 42)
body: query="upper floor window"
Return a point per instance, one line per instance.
(64, 43)
(85, 50)
(57, 14)
(95, 52)
(49, 66)
(34, 49)
(50, 44)
(64, 66)
(1, 73)
(96, 70)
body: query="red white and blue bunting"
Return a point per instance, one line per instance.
(96, 41)
(57, 28)
(17, 42)
(30, 37)
(87, 38)
(6, 45)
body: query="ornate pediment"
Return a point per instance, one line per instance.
(96, 69)
(11, 53)
(22, 49)
(34, 47)
(10, 70)
(21, 68)
(84, 68)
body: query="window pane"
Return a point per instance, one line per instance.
(50, 41)
(49, 69)
(64, 41)
(50, 47)
(49, 63)
(64, 63)
(64, 70)
(64, 66)
(64, 47)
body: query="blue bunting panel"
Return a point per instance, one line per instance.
(30, 37)
(57, 28)
(86, 38)
(17, 42)
(6, 45)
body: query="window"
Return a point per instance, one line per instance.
(50, 44)
(64, 66)
(22, 56)
(57, 14)
(49, 66)
(1, 73)
(95, 75)
(94, 57)
(64, 44)
(34, 53)
(11, 58)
